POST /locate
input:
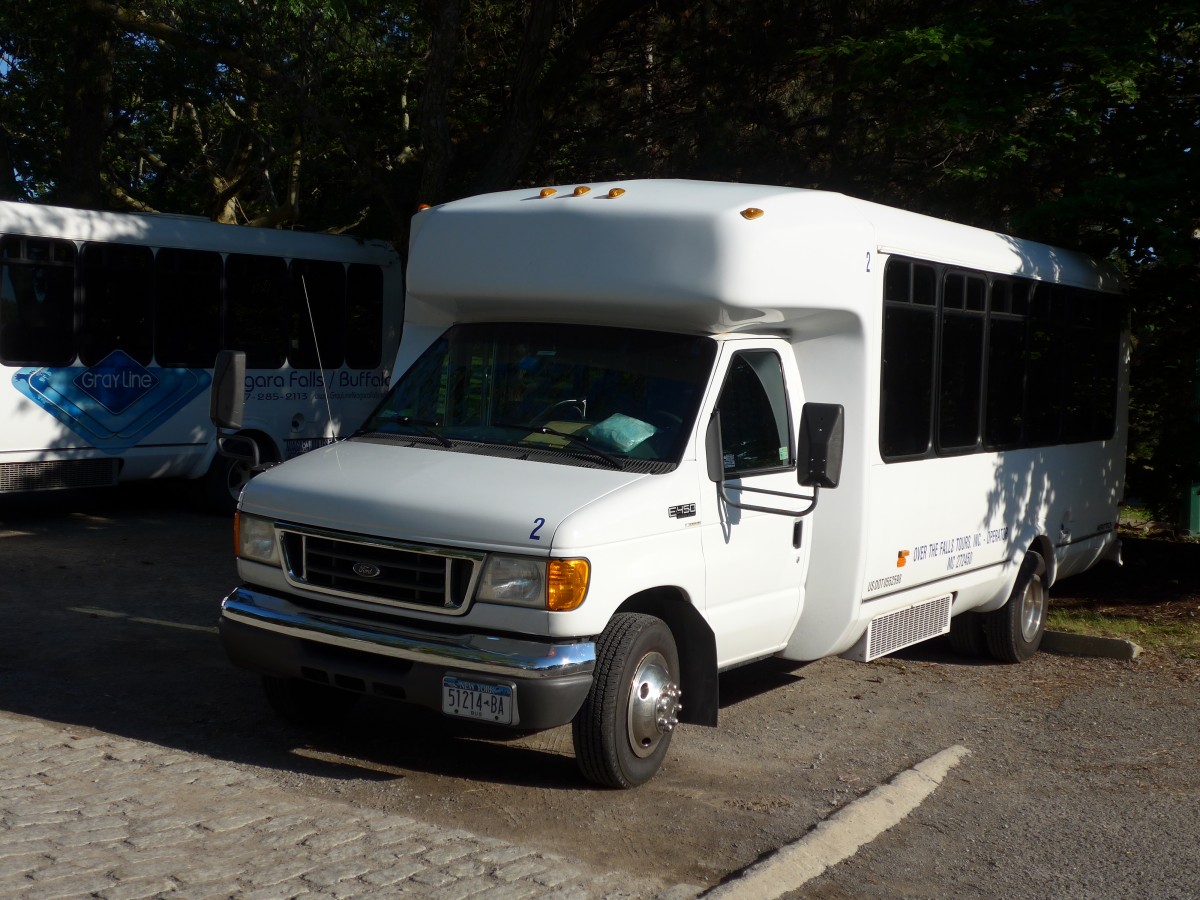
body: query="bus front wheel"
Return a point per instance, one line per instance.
(622, 731)
(222, 484)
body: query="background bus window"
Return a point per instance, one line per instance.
(37, 302)
(116, 302)
(364, 316)
(256, 320)
(961, 366)
(319, 287)
(909, 334)
(187, 307)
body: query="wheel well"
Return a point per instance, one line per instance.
(697, 649)
(1041, 545)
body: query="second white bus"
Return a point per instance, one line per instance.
(110, 323)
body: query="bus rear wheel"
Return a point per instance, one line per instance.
(622, 731)
(1014, 632)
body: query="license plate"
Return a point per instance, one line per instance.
(477, 700)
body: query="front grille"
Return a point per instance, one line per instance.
(380, 571)
(57, 474)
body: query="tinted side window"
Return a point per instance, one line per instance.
(37, 302)
(187, 307)
(117, 310)
(317, 303)
(754, 418)
(961, 371)
(256, 309)
(909, 340)
(1004, 416)
(364, 316)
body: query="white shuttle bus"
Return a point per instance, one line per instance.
(110, 322)
(650, 431)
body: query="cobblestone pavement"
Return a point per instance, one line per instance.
(86, 814)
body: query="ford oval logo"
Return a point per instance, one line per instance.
(366, 570)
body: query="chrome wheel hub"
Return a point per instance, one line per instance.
(653, 705)
(1033, 609)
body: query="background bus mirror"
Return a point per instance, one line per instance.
(821, 440)
(228, 401)
(713, 449)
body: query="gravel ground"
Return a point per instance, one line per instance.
(1082, 779)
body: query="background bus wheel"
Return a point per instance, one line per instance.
(622, 731)
(223, 483)
(966, 635)
(306, 704)
(1014, 632)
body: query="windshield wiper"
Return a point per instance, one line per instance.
(425, 427)
(577, 439)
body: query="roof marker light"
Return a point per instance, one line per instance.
(751, 212)
(547, 192)
(421, 207)
(614, 193)
(581, 190)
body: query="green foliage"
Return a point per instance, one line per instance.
(1066, 122)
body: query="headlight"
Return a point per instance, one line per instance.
(556, 584)
(514, 579)
(255, 539)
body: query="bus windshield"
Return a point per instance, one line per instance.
(607, 393)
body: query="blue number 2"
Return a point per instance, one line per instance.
(537, 526)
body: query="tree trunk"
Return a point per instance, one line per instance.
(87, 106)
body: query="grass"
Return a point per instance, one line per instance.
(1153, 600)
(1179, 638)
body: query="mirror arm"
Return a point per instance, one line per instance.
(812, 501)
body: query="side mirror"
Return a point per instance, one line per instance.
(713, 449)
(228, 401)
(820, 445)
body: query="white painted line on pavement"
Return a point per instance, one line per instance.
(841, 835)
(112, 614)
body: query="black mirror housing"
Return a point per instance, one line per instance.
(821, 444)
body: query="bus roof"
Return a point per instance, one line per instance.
(688, 255)
(192, 232)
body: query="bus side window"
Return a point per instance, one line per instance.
(256, 320)
(37, 302)
(364, 316)
(187, 307)
(117, 302)
(317, 303)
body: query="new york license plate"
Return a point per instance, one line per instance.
(477, 700)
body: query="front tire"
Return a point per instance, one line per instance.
(622, 731)
(1014, 632)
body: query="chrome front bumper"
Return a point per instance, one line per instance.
(269, 634)
(481, 653)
